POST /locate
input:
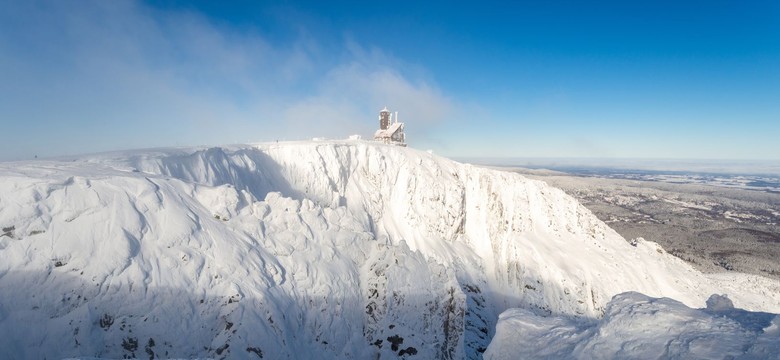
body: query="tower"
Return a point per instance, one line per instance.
(384, 119)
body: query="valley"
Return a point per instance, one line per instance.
(714, 227)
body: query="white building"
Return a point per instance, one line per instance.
(390, 130)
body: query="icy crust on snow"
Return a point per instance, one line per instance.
(311, 249)
(636, 326)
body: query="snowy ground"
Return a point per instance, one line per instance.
(308, 249)
(636, 326)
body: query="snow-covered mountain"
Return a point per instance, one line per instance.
(306, 249)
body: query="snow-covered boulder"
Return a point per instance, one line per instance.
(636, 326)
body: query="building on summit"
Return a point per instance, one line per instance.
(390, 130)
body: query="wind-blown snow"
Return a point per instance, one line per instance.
(636, 326)
(290, 250)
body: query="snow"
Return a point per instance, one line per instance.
(689, 205)
(327, 249)
(738, 217)
(636, 326)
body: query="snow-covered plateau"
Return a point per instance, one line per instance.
(340, 249)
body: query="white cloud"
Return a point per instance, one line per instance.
(121, 74)
(351, 95)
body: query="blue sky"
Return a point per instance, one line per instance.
(623, 79)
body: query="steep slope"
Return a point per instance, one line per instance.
(333, 249)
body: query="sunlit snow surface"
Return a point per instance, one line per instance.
(636, 326)
(307, 250)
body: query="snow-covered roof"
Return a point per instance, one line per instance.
(392, 129)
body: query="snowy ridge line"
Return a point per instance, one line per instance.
(327, 249)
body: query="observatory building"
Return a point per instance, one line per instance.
(390, 130)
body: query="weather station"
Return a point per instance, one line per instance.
(390, 130)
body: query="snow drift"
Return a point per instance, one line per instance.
(636, 326)
(326, 249)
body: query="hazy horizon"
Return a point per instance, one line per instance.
(703, 166)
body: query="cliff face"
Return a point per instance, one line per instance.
(326, 249)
